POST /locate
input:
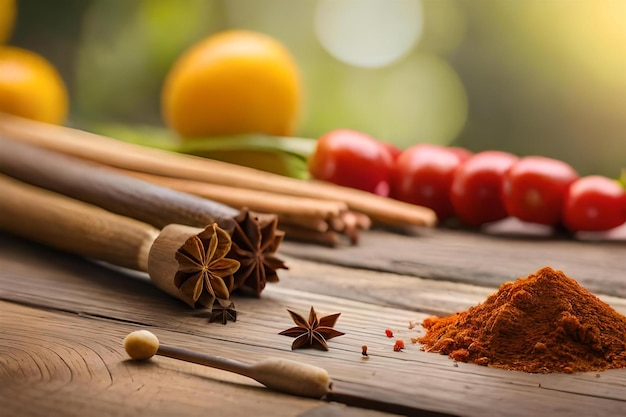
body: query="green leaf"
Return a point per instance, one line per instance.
(278, 154)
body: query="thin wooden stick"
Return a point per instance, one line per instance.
(89, 182)
(262, 201)
(297, 212)
(154, 161)
(278, 374)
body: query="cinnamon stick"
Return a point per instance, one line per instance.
(262, 201)
(329, 238)
(308, 213)
(150, 203)
(84, 229)
(154, 161)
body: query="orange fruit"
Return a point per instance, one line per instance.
(233, 82)
(31, 87)
(7, 19)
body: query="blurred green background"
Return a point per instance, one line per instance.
(541, 77)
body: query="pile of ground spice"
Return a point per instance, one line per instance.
(543, 323)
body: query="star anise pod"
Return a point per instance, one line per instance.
(255, 242)
(224, 311)
(314, 332)
(204, 272)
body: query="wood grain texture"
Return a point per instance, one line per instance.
(59, 364)
(94, 307)
(474, 258)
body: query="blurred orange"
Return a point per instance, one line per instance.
(233, 82)
(31, 87)
(7, 19)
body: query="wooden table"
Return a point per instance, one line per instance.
(63, 318)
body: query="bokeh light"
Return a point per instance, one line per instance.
(368, 33)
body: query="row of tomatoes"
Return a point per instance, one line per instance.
(475, 187)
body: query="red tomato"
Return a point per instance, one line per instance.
(594, 203)
(475, 192)
(423, 175)
(461, 152)
(393, 150)
(352, 159)
(534, 188)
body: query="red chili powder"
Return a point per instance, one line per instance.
(543, 323)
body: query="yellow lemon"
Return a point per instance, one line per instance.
(233, 82)
(31, 87)
(7, 19)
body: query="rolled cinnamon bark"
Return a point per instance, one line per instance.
(150, 203)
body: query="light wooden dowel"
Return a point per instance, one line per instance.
(74, 226)
(154, 161)
(261, 201)
(100, 186)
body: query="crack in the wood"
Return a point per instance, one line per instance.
(602, 397)
(45, 307)
(96, 316)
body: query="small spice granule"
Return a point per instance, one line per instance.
(364, 350)
(389, 333)
(398, 346)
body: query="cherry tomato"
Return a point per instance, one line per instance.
(352, 159)
(393, 150)
(423, 175)
(475, 191)
(594, 203)
(534, 189)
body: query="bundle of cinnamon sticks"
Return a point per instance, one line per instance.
(309, 211)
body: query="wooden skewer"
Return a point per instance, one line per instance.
(83, 229)
(282, 375)
(278, 374)
(262, 201)
(293, 212)
(97, 185)
(154, 161)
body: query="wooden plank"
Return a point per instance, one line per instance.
(475, 258)
(95, 297)
(57, 364)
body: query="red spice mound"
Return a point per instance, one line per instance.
(543, 323)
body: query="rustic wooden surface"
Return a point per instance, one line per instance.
(470, 257)
(62, 321)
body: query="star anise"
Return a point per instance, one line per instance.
(314, 332)
(224, 311)
(255, 242)
(204, 273)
